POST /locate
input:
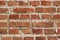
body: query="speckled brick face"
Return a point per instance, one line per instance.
(29, 19)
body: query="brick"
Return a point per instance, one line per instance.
(49, 31)
(56, 3)
(19, 24)
(3, 31)
(46, 3)
(24, 16)
(3, 17)
(3, 10)
(58, 31)
(23, 10)
(58, 9)
(40, 38)
(52, 38)
(37, 31)
(58, 24)
(3, 24)
(6, 38)
(12, 3)
(34, 3)
(47, 16)
(28, 38)
(45, 10)
(22, 3)
(42, 24)
(14, 16)
(35, 16)
(2, 3)
(26, 31)
(17, 38)
(13, 31)
(57, 16)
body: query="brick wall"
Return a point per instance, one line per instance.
(29, 19)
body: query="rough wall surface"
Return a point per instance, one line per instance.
(29, 19)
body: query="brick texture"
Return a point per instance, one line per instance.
(29, 19)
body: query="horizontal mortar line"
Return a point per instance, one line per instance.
(29, 35)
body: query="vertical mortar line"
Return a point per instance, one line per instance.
(8, 18)
(19, 18)
(41, 20)
(30, 19)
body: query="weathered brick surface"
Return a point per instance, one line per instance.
(29, 19)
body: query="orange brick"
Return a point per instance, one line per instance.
(24, 16)
(13, 31)
(52, 38)
(13, 16)
(17, 38)
(40, 38)
(49, 31)
(35, 16)
(19, 24)
(45, 10)
(3, 17)
(57, 16)
(46, 3)
(6, 38)
(3, 31)
(28, 38)
(34, 3)
(37, 31)
(12, 3)
(26, 31)
(23, 10)
(56, 3)
(22, 3)
(3, 10)
(43, 24)
(3, 24)
(47, 16)
(2, 3)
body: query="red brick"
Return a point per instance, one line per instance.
(19, 24)
(12, 3)
(13, 31)
(47, 16)
(28, 38)
(45, 10)
(52, 38)
(3, 24)
(46, 3)
(49, 31)
(26, 31)
(35, 16)
(58, 24)
(42, 24)
(22, 3)
(13, 16)
(58, 31)
(6, 38)
(58, 10)
(57, 16)
(56, 3)
(23, 10)
(17, 38)
(40, 38)
(24, 16)
(3, 10)
(3, 31)
(37, 31)
(2, 3)
(34, 3)
(3, 17)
